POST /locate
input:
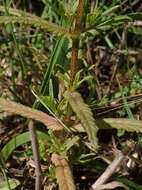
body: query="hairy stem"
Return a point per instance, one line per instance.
(79, 18)
(75, 42)
(75, 48)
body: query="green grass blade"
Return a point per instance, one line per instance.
(19, 140)
(56, 58)
(130, 184)
(11, 29)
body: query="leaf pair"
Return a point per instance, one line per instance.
(90, 125)
(80, 108)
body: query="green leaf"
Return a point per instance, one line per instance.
(19, 140)
(135, 16)
(110, 10)
(130, 184)
(113, 22)
(51, 112)
(13, 184)
(57, 57)
(70, 142)
(59, 11)
(122, 18)
(85, 115)
(107, 22)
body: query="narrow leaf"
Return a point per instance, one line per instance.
(63, 172)
(122, 123)
(56, 58)
(130, 183)
(36, 22)
(110, 10)
(135, 16)
(19, 140)
(129, 125)
(25, 111)
(17, 12)
(85, 115)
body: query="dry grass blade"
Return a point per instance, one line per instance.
(19, 109)
(85, 115)
(63, 172)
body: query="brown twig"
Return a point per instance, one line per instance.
(111, 185)
(35, 150)
(120, 156)
(109, 171)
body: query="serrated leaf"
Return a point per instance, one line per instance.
(63, 172)
(85, 115)
(129, 125)
(36, 22)
(25, 111)
(121, 123)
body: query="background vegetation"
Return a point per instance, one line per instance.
(74, 68)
